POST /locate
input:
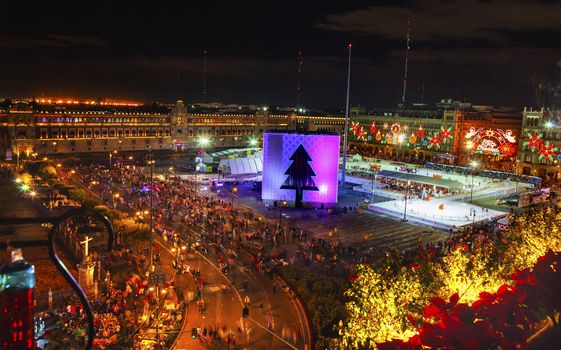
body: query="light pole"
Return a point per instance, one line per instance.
(406, 195)
(151, 163)
(283, 203)
(111, 157)
(374, 178)
(516, 174)
(474, 164)
(234, 190)
(346, 120)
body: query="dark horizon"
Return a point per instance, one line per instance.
(484, 52)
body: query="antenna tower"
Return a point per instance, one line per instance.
(299, 72)
(406, 61)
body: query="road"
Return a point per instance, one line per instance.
(225, 296)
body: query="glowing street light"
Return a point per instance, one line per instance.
(24, 187)
(18, 180)
(32, 194)
(253, 142)
(203, 141)
(549, 124)
(234, 190)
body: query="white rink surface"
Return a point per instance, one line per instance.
(453, 213)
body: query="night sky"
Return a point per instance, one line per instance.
(478, 51)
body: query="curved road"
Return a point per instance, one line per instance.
(280, 324)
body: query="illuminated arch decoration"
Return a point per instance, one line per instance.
(445, 134)
(361, 134)
(492, 141)
(373, 128)
(533, 142)
(420, 132)
(547, 151)
(434, 141)
(354, 127)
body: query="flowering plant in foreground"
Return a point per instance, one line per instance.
(504, 319)
(401, 302)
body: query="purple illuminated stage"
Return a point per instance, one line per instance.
(300, 168)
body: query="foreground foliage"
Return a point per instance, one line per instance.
(387, 301)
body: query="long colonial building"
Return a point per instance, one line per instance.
(45, 127)
(451, 132)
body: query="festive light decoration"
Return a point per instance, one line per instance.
(547, 151)
(395, 128)
(412, 139)
(445, 134)
(491, 141)
(354, 127)
(434, 141)
(373, 128)
(361, 134)
(378, 136)
(420, 132)
(533, 142)
(385, 126)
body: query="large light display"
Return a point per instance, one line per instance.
(300, 168)
(491, 141)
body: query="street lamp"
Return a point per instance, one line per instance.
(151, 163)
(473, 164)
(111, 157)
(234, 190)
(406, 195)
(253, 142)
(283, 203)
(203, 141)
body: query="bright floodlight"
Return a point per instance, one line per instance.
(474, 164)
(549, 124)
(203, 141)
(32, 193)
(25, 187)
(253, 142)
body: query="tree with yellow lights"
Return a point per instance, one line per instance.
(386, 301)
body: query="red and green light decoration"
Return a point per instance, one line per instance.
(547, 151)
(361, 134)
(434, 141)
(445, 134)
(420, 132)
(373, 128)
(355, 127)
(533, 142)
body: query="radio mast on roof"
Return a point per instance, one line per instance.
(299, 72)
(204, 75)
(406, 61)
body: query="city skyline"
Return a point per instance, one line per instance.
(477, 51)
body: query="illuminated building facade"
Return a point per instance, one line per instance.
(300, 168)
(37, 128)
(539, 149)
(452, 132)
